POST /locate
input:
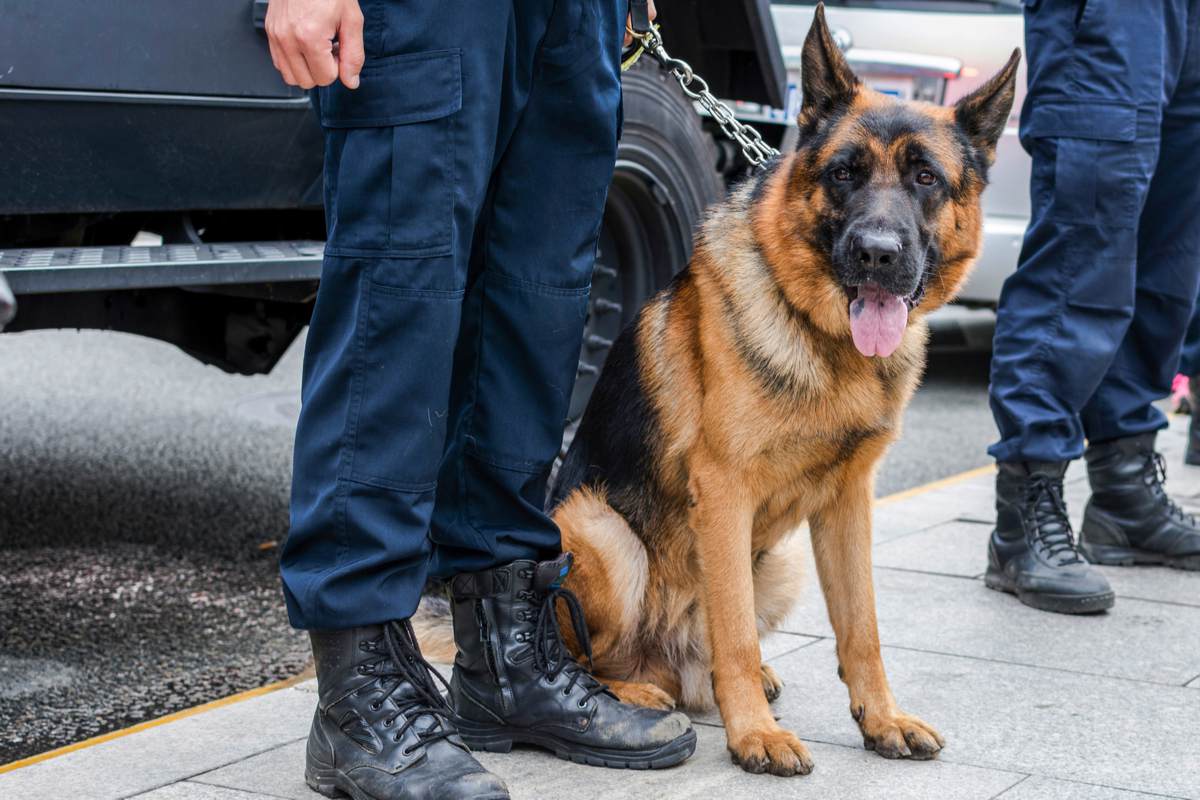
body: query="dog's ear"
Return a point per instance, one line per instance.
(983, 113)
(826, 80)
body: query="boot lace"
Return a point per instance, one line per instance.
(1156, 477)
(1051, 525)
(401, 665)
(550, 654)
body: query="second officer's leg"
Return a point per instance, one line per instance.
(1130, 518)
(1090, 122)
(513, 680)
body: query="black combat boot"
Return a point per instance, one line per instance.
(515, 681)
(1130, 518)
(1032, 552)
(382, 729)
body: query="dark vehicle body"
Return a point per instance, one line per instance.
(167, 120)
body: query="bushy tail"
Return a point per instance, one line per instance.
(434, 629)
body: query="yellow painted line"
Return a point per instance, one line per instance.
(938, 484)
(237, 698)
(154, 723)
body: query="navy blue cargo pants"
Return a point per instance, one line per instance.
(1090, 325)
(465, 182)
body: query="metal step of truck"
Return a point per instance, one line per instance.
(48, 270)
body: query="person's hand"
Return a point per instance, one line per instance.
(629, 23)
(301, 33)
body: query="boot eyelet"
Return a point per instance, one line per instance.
(389, 722)
(375, 706)
(582, 704)
(404, 751)
(566, 693)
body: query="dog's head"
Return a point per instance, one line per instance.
(883, 195)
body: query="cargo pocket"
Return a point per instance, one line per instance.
(389, 157)
(1097, 172)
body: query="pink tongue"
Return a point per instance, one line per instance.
(877, 320)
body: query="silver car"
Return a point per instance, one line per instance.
(935, 50)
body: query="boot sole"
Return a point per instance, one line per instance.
(334, 783)
(1118, 556)
(1057, 603)
(500, 739)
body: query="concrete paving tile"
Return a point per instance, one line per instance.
(1038, 788)
(188, 790)
(1089, 729)
(952, 548)
(167, 753)
(959, 548)
(776, 644)
(278, 772)
(1137, 640)
(841, 773)
(893, 520)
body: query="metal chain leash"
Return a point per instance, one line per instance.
(756, 151)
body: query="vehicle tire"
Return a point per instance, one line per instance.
(666, 175)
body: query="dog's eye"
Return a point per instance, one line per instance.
(926, 178)
(842, 174)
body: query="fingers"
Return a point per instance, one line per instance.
(301, 40)
(297, 65)
(274, 28)
(316, 48)
(350, 46)
(281, 63)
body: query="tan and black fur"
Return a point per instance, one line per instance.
(737, 407)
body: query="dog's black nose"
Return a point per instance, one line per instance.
(878, 249)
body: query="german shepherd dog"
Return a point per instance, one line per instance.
(759, 391)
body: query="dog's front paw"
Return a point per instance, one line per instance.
(775, 750)
(898, 735)
(772, 684)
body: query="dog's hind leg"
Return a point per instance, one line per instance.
(609, 578)
(650, 695)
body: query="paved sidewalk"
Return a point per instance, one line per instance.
(1033, 706)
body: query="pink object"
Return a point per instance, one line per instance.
(1179, 393)
(877, 320)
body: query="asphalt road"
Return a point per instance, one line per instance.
(142, 497)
